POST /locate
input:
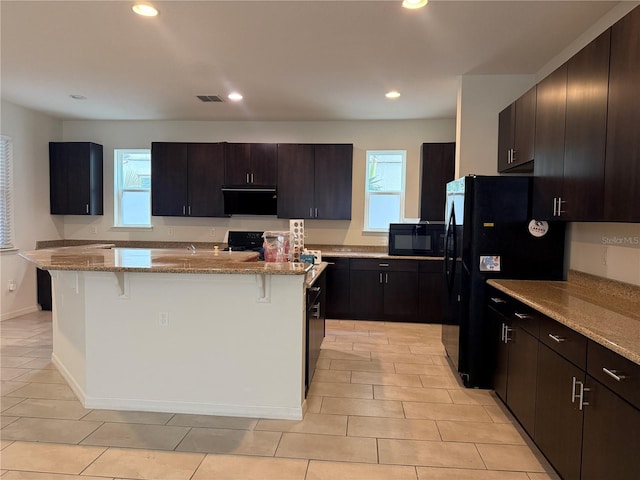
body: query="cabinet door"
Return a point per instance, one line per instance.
(622, 175)
(205, 178)
(295, 180)
(611, 439)
(522, 376)
(431, 296)
(586, 124)
(169, 179)
(506, 132)
(438, 168)
(75, 174)
(549, 143)
(524, 134)
(264, 163)
(558, 420)
(367, 295)
(237, 163)
(500, 351)
(401, 296)
(333, 171)
(338, 287)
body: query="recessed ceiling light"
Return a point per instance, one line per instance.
(392, 94)
(235, 96)
(145, 9)
(78, 97)
(413, 4)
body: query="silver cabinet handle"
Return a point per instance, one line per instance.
(87, 207)
(189, 210)
(555, 209)
(184, 210)
(383, 264)
(522, 316)
(505, 333)
(560, 202)
(316, 212)
(310, 213)
(386, 278)
(614, 374)
(381, 278)
(580, 395)
(498, 300)
(315, 289)
(557, 338)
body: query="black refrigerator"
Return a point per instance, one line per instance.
(490, 234)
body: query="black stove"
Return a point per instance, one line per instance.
(244, 241)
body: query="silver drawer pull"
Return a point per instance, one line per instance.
(498, 300)
(557, 338)
(522, 316)
(614, 374)
(383, 264)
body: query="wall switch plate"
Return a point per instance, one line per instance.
(163, 319)
(170, 231)
(212, 232)
(94, 230)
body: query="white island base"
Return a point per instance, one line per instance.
(216, 344)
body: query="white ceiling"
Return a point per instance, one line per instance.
(292, 60)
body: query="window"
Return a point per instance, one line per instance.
(132, 188)
(6, 187)
(384, 189)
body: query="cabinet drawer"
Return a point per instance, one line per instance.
(501, 302)
(337, 263)
(566, 342)
(390, 265)
(431, 266)
(526, 318)
(601, 360)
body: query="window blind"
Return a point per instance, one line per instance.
(6, 187)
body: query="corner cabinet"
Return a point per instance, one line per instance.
(186, 179)
(315, 181)
(622, 165)
(516, 127)
(250, 163)
(579, 401)
(75, 178)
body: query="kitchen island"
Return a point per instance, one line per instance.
(177, 330)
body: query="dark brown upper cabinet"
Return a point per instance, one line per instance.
(250, 164)
(186, 179)
(549, 143)
(314, 181)
(438, 168)
(585, 133)
(622, 164)
(516, 130)
(75, 178)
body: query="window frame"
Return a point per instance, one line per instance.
(7, 230)
(368, 194)
(119, 190)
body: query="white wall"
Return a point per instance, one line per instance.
(365, 135)
(31, 132)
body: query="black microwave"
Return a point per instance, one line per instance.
(417, 239)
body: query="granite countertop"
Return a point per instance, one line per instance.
(604, 311)
(106, 258)
(364, 251)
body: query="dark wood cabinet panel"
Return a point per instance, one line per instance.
(314, 181)
(250, 163)
(558, 422)
(316, 313)
(438, 168)
(431, 293)
(75, 178)
(169, 195)
(186, 179)
(295, 180)
(367, 294)
(205, 179)
(43, 284)
(622, 167)
(497, 324)
(516, 130)
(521, 384)
(611, 436)
(585, 135)
(338, 287)
(332, 183)
(549, 143)
(401, 296)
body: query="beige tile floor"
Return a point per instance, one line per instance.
(383, 405)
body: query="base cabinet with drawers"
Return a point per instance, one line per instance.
(581, 400)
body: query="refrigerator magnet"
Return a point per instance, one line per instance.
(489, 263)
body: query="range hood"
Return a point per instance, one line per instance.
(249, 200)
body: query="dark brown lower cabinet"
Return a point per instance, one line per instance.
(611, 436)
(316, 296)
(338, 288)
(43, 283)
(431, 291)
(558, 422)
(521, 380)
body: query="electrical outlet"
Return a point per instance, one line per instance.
(94, 230)
(12, 286)
(163, 319)
(170, 231)
(212, 232)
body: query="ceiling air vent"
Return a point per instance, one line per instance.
(210, 98)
